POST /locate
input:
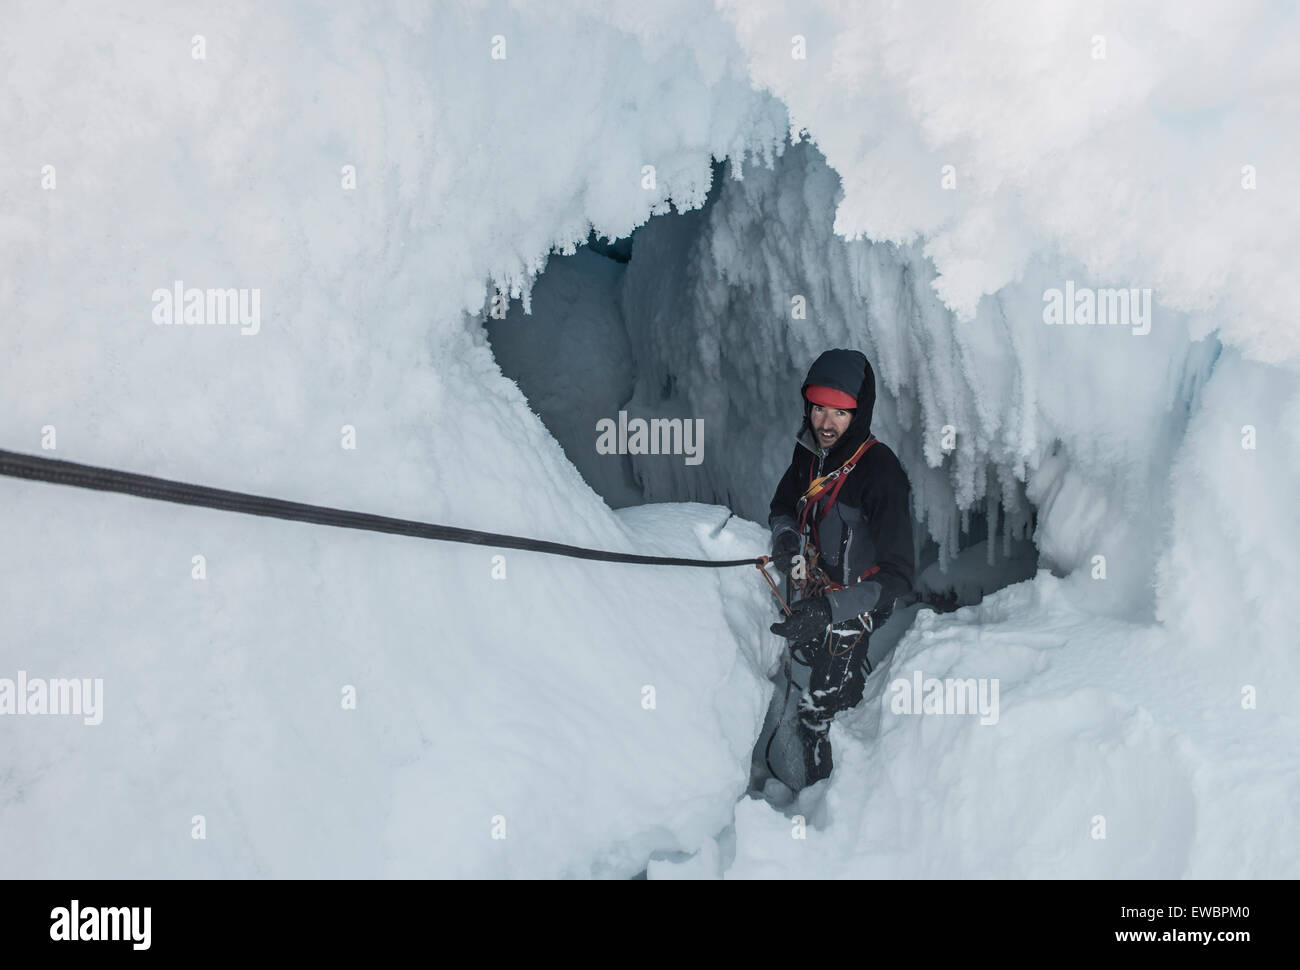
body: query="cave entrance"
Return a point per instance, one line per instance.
(604, 386)
(665, 375)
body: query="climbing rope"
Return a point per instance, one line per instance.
(38, 468)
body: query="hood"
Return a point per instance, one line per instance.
(848, 371)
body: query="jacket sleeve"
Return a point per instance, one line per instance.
(886, 505)
(785, 500)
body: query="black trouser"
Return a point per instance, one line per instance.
(836, 682)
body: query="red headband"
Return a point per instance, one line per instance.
(828, 397)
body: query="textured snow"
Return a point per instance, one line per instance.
(476, 697)
(516, 706)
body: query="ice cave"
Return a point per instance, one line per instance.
(480, 241)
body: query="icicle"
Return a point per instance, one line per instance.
(991, 504)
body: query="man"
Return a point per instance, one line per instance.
(841, 520)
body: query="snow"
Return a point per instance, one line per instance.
(1113, 132)
(1101, 722)
(501, 725)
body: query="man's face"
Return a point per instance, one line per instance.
(828, 424)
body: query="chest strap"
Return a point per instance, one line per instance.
(832, 483)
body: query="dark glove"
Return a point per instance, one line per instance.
(784, 548)
(810, 619)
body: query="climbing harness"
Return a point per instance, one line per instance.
(813, 580)
(817, 487)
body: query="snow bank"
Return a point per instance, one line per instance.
(1108, 756)
(484, 706)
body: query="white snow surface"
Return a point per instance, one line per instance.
(567, 718)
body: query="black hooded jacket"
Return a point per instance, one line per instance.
(866, 539)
